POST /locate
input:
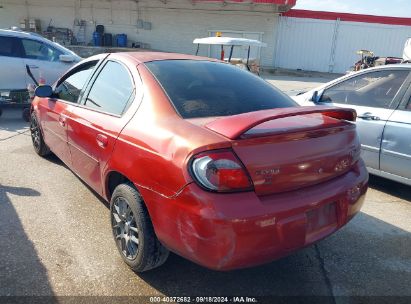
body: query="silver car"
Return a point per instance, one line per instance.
(45, 58)
(382, 98)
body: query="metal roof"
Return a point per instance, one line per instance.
(278, 2)
(19, 33)
(347, 17)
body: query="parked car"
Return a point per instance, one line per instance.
(382, 98)
(201, 158)
(45, 58)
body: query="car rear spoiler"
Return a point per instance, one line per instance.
(234, 126)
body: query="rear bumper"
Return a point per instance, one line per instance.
(229, 231)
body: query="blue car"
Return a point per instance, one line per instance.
(382, 98)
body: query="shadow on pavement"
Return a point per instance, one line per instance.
(21, 271)
(55, 160)
(390, 187)
(367, 257)
(11, 122)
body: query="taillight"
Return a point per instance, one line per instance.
(220, 171)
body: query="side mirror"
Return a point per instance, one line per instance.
(43, 91)
(316, 97)
(67, 58)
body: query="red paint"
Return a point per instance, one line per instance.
(347, 17)
(52, 116)
(236, 125)
(231, 175)
(307, 180)
(229, 231)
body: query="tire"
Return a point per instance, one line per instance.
(133, 230)
(37, 137)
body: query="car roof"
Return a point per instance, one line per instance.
(389, 66)
(142, 57)
(20, 34)
(35, 36)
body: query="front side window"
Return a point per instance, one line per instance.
(408, 107)
(374, 89)
(8, 47)
(207, 89)
(40, 51)
(70, 88)
(111, 90)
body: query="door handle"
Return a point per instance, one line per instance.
(102, 140)
(62, 120)
(368, 116)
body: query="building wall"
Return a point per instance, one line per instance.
(331, 45)
(175, 23)
(304, 44)
(383, 40)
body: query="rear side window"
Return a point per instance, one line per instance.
(8, 47)
(111, 90)
(206, 89)
(40, 51)
(408, 107)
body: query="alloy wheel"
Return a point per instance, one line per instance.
(35, 134)
(125, 228)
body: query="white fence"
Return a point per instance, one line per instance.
(330, 46)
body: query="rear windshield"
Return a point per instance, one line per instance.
(206, 89)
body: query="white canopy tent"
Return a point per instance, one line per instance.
(229, 41)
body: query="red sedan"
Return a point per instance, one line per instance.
(201, 158)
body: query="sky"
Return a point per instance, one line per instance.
(395, 8)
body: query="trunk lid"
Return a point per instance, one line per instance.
(287, 149)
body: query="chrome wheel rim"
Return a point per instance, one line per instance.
(125, 228)
(35, 133)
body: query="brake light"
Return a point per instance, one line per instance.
(220, 171)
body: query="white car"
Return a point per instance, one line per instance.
(45, 58)
(382, 98)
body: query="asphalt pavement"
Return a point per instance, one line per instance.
(55, 240)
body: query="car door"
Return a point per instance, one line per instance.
(43, 60)
(11, 61)
(374, 95)
(96, 125)
(396, 143)
(55, 112)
